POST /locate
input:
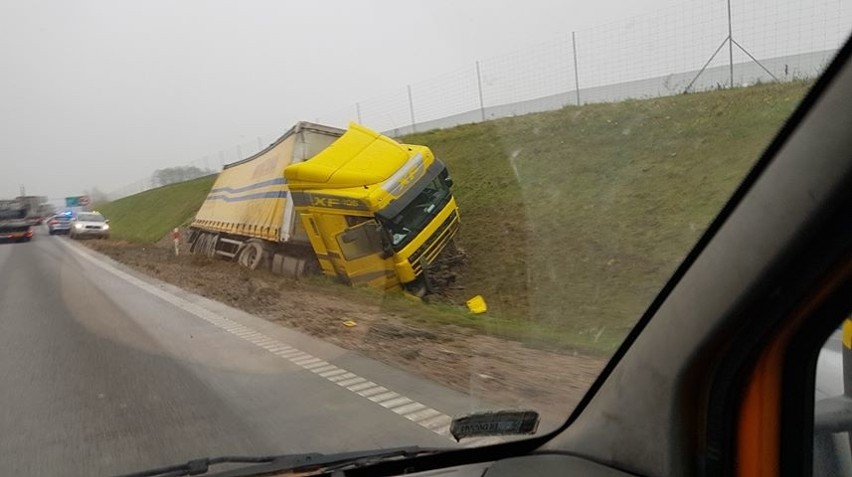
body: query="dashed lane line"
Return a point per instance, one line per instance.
(414, 411)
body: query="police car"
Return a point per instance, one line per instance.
(89, 224)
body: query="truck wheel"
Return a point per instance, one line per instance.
(201, 245)
(210, 245)
(196, 247)
(251, 255)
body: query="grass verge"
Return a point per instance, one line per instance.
(572, 219)
(149, 215)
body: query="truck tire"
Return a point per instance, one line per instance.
(193, 247)
(198, 245)
(294, 267)
(278, 264)
(210, 242)
(204, 245)
(251, 256)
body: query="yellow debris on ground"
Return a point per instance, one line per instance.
(477, 305)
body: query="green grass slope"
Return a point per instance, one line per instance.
(148, 216)
(575, 218)
(572, 220)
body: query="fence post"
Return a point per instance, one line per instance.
(576, 73)
(411, 109)
(730, 45)
(358, 112)
(479, 84)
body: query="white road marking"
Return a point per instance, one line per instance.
(316, 365)
(422, 415)
(427, 417)
(341, 377)
(307, 360)
(350, 382)
(372, 391)
(415, 406)
(384, 396)
(440, 420)
(336, 371)
(324, 369)
(396, 402)
(444, 431)
(359, 387)
(291, 354)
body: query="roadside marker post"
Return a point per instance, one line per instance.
(176, 239)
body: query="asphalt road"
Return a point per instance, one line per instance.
(99, 375)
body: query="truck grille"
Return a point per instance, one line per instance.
(432, 247)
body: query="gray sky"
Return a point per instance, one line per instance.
(101, 93)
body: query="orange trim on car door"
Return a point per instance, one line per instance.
(758, 429)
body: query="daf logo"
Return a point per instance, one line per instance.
(336, 202)
(324, 202)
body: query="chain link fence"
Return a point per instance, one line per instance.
(695, 47)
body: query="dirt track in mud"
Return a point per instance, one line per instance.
(501, 372)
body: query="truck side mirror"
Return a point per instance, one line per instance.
(449, 181)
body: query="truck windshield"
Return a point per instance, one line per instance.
(428, 202)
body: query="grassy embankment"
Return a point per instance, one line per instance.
(149, 215)
(572, 219)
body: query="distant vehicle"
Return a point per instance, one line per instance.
(353, 204)
(89, 224)
(15, 231)
(59, 224)
(13, 222)
(36, 208)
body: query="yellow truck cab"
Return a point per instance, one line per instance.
(364, 208)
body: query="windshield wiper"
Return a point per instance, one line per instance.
(286, 462)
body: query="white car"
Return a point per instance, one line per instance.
(89, 224)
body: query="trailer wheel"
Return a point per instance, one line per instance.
(251, 255)
(198, 245)
(193, 247)
(210, 245)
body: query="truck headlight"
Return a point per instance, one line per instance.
(78, 226)
(106, 226)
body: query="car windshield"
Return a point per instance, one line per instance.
(340, 226)
(90, 217)
(423, 206)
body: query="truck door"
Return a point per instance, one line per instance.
(315, 236)
(352, 249)
(366, 255)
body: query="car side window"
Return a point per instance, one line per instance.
(832, 453)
